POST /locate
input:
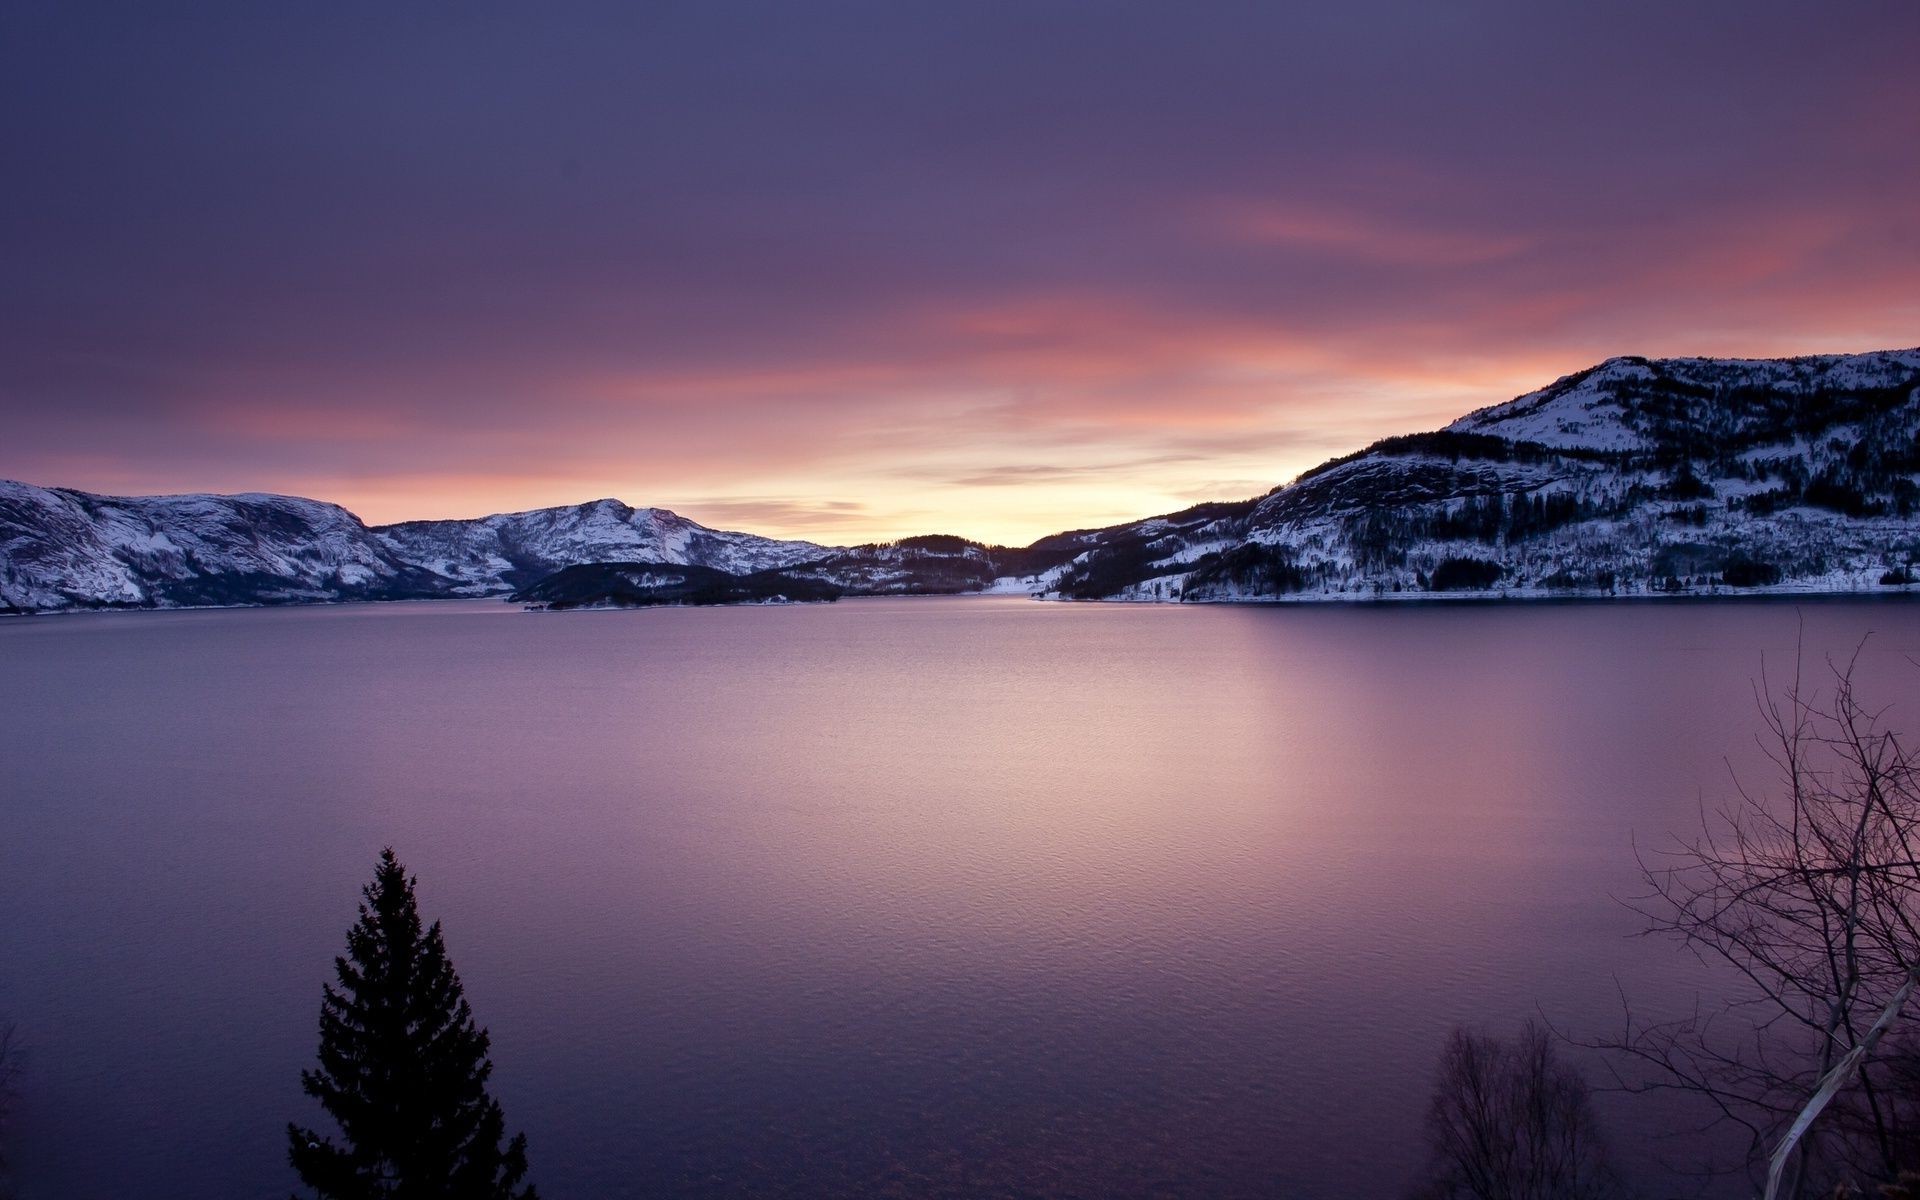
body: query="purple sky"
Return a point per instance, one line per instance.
(854, 271)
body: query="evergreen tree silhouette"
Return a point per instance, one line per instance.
(403, 1069)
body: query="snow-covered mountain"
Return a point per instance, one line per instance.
(1635, 476)
(65, 549)
(510, 550)
(928, 565)
(68, 549)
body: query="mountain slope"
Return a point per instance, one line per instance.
(1636, 476)
(66, 549)
(510, 550)
(62, 549)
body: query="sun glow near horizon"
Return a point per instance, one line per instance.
(1004, 466)
(901, 303)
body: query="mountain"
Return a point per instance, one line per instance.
(1638, 476)
(511, 550)
(62, 549)
(65, 549)
(932, 564)
(68, 549)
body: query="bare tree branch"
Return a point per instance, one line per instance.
(1807, 892)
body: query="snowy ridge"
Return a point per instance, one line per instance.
(1597, 409)
(508, 550)
(62, 549)
(1637, 476)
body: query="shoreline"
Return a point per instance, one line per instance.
(1909, 593)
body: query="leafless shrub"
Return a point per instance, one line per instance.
(1809, 893)
(1509, 1121)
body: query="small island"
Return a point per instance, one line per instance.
(650, 584)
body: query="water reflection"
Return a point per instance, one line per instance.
(887, 897)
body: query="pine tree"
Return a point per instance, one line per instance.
(403, 1069)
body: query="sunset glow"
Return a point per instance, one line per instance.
(856, 272)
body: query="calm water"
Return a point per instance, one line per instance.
(920, 898)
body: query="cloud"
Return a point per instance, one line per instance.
(1026, 474)
(765, 512)
(1352, 234)
(932, 269)
(1226, 489)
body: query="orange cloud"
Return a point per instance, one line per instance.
(1351, 233)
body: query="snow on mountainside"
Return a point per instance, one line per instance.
(1636, 476)
(511, 550)
(931, 564)
(65, 549)
(1628, 404)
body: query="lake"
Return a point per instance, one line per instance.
(921, 897)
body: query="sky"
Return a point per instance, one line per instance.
(856, 271)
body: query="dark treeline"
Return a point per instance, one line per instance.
(644, 584)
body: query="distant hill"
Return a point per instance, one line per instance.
(64, 549)
(646, 584)
(67, 549)
(508, 550)
(1635, 477)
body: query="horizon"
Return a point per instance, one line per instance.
(856, 273)
(1026, 541)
